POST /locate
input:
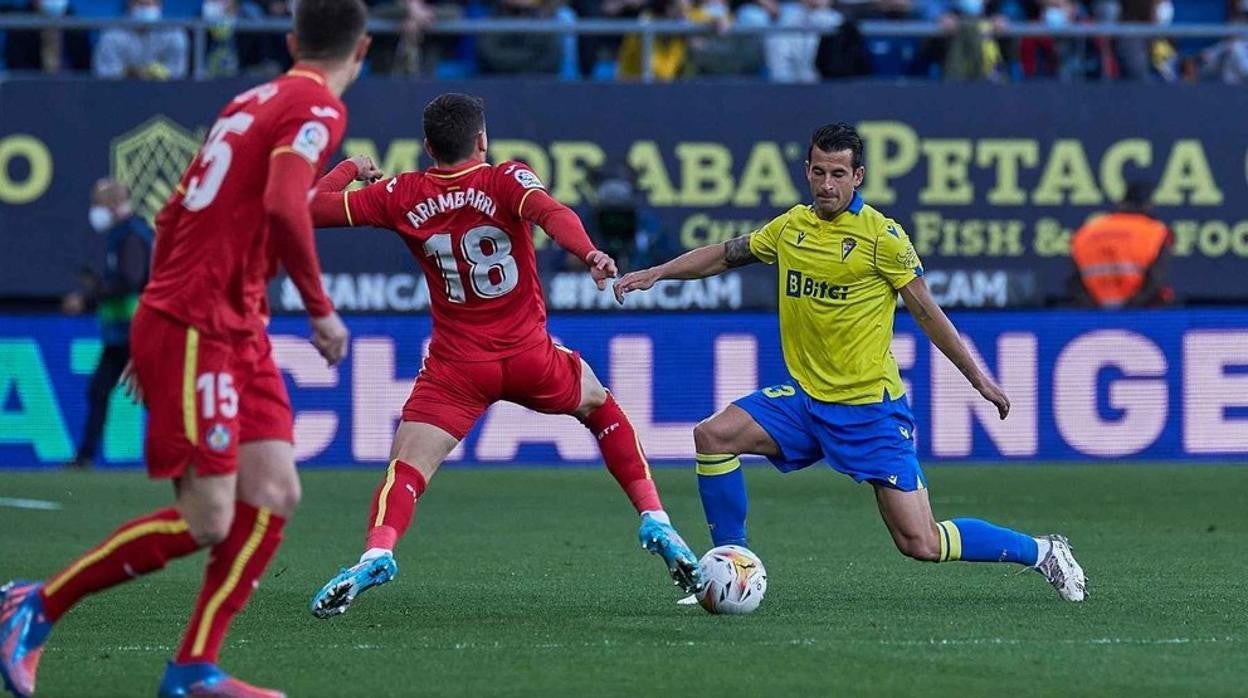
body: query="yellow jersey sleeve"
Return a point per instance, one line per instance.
(895, 258)
(764, 240)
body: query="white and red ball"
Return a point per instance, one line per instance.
(734, 580)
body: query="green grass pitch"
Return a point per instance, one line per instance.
(530, 582)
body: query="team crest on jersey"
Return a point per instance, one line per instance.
(312, 139)
(218, 438)
(847, 246)
(909, 258)
(527, 179)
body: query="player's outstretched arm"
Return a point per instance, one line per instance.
(360, 168)
(565, 228)
(332, 207)
(941, 332)
(290, 226)
(698, 263)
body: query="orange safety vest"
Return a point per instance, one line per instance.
(1113, 252)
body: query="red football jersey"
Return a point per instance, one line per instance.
(213, 257)
(465, 228)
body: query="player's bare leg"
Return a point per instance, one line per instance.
(624, 458)
(243, 515)
(417, 452)
(917, 534)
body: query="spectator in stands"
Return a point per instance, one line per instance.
(411, 52)
(1121, 258)
(791, 55)
(115, 296)
(1043, 56)
(151, 54)
(221, 56)
(972, 52)
(1135, 53)
(845, 53)
(49, 51)
(722, 53)
(519, 53)
(670, 52)
(1228, 59)
(264, 55)
(594, 52)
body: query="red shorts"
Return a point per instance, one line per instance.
(204, 396)
(453, 395)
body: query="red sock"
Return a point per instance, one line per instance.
(233, 572)
(139, 546)
(623, 455)
(394, 504)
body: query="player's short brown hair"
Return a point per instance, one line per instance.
(833, 138)
(329, 29)
(452, 122)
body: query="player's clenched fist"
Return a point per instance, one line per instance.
(366, 170)
(329, 336)
(635, 281)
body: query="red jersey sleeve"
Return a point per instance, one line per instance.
(375, 205)
(338, 178)
(309, 129)
(312, 127)
(513, 183)
(560, 223)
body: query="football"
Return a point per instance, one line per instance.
(734, 580)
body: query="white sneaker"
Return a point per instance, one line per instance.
(1060, 569)
(690, 600)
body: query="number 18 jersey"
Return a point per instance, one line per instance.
(465, 227)
(213, 256)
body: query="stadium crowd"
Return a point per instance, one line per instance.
(970, 45)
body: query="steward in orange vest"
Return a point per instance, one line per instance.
(1120, 258)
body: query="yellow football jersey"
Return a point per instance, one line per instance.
(838, 297)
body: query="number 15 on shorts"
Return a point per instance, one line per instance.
(217, 395)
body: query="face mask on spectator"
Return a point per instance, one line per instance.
(215, 11)
(971, 8)
(146, 13)
(1165, 13)
(54, 8)
(1056, 17)
(100, 218)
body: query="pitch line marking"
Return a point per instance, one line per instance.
(36, 504)
(808, 642)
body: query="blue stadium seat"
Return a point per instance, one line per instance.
(454, 69)
(183, 8)
(1198, 12)
(604, 71)
(98, 8)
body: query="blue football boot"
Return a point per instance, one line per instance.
(660, 538)
(336, 596)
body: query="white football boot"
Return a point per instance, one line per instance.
(1060, 569)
